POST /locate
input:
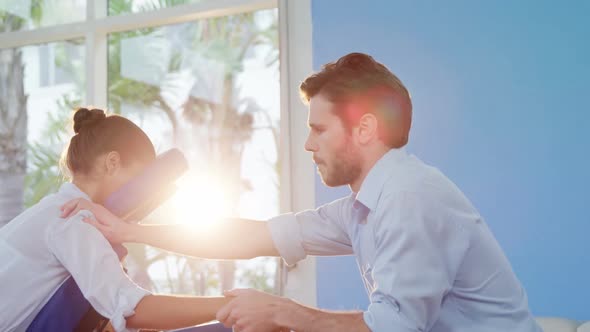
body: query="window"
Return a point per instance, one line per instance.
(31, 14)
(122, 7)
(53, 85)
(211, 88)
(217, 80)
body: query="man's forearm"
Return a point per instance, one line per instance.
(300, 318)
(235, 239)
(171, 312)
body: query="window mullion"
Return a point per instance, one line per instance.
(299, 282)
(96, 55)
(52, 34)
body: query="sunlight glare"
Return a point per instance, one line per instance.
(201, 200)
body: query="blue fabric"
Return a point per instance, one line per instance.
(67, 306)
(55, 317)
(218, 327)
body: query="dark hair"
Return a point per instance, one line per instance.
(97, 133)
(358, 78)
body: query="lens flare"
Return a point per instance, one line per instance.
(201, 200)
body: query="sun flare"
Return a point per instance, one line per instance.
(201, 200)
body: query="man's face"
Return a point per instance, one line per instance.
(334, 151)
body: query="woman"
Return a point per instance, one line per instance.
(39, 250)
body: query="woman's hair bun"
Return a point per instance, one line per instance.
(84, 118)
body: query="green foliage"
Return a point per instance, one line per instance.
(123, 90)
(258, 279)
(10, 22)
(44, 175)
(119, 7)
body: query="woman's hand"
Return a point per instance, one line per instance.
(112, 227)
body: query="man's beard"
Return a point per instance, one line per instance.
(345, 167)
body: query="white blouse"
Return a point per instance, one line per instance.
(39, 251)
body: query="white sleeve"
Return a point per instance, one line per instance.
(95, 267)
(313, 232)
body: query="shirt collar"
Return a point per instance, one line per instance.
(373, 183)
(71, 191)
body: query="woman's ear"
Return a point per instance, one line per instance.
(367, 128)
(112, 163)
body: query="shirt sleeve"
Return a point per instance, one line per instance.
(418, 251)
(312, 232)
(95, 267)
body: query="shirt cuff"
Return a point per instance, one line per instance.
(128, 298)
(286, 235)
(384, 317)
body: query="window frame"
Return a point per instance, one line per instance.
(297, 177)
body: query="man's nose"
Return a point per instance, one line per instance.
(310, 145)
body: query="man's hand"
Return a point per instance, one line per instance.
(251, 311)
(254, 311)
(112, 227)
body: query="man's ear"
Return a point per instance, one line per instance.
(367, 128)
(112, 162)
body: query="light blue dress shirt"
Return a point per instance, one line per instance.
(427, 258)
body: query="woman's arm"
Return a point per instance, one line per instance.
(172, 312)
(233, 239)
(95, 267)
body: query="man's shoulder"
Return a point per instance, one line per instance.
(416, 177)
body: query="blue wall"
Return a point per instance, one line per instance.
(501, 94)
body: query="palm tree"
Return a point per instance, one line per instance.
(13, 119)
(223, 124)
(229, 123)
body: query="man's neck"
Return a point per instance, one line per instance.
(369, 160)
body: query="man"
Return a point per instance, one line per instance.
(428, 260)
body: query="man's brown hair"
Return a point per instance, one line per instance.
(356, 79)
